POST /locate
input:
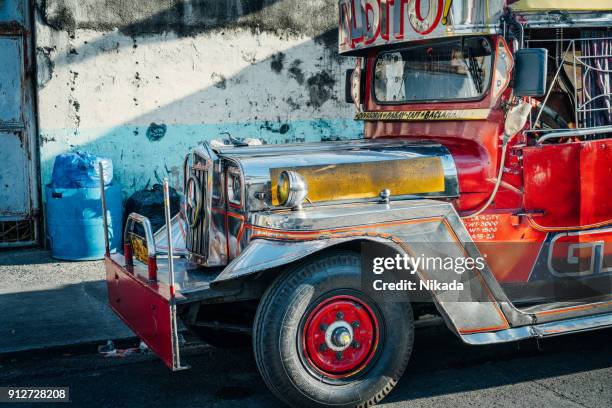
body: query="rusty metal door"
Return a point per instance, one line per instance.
(18, 165)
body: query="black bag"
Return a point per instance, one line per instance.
(150, 203)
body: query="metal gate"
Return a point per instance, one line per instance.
(19, 202)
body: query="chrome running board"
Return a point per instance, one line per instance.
(540, 330)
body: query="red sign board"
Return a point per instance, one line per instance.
(368, 23)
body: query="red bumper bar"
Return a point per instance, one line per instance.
(145, 306)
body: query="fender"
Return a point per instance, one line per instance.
(413, 228)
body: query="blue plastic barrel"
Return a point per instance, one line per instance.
(75, 228)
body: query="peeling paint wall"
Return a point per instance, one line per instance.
(144, 81)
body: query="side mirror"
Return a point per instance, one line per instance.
(530, 72)
(348, 82)
(354, 86)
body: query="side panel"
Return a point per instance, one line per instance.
(570, 183)
(595, 181)
(417, 228)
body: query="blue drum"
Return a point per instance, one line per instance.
(75, 228)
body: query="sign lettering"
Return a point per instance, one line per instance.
(364, 22)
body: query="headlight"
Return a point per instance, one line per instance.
(292, 189)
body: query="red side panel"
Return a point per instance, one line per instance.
(552, 183)
(570, 182)
(144, 307)
(508, 242)
(596, 181)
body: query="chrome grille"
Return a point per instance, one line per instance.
(197, 236)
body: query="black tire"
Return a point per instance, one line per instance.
(223, 339)
(278, 328)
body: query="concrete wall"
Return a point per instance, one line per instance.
(143, 81)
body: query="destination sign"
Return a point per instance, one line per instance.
(368, 23)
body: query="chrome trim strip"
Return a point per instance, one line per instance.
(573, 325)
(540, 330)
(502, 336)
(575, 132)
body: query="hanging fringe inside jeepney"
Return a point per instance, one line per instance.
(597, 77)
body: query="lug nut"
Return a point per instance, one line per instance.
(356, 344)
(323, 327)
(355, 324)
(323, 347)
(339, 355)
(339, 315)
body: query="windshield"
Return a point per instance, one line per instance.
(459, 69)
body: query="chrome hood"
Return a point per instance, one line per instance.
(344, 171)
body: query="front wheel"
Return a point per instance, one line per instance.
(319, 340)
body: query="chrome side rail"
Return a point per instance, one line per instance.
(128, 252)
(575, 132)
(580, 324)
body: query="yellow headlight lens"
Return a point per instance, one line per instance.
(283, 188)
(291, 189)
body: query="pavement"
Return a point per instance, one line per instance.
(570, 371)
(54, 316)
(48, 303)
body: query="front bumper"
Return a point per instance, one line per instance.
(147, 308)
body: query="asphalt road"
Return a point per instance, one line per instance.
(568, 371)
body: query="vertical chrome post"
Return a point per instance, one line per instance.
(104, 219)
(576, 108)
(169, 236)
(176, 356)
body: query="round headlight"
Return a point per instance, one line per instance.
(292, 189)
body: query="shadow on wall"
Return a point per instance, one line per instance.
(289, 96)
(190, 17)
(142, 19)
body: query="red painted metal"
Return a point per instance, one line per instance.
(127, 254)
(570, 183)
(349, 311)
(545, 189)
(584, 252)
(508, 242)
(474, 144)
(152, 268)
(143, 306)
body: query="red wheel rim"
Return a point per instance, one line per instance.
(340, 336)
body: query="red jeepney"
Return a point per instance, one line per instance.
(488, 147)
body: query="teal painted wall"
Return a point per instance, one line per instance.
(139, 161)
(146, 82)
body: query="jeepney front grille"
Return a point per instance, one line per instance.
(197, 236)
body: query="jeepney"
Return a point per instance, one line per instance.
(488, 136)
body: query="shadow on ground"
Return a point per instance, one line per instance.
(564, 371)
